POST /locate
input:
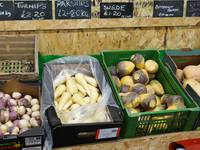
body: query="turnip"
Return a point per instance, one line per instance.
(24, 102)
(13, 108)
(16, 123)
(28, 97)
(28, 111)
(21, 110)
(9, 124)
(36, 114)
(24, 124)
(6, 97)
(2, 104)
(14, 130)
(4, 128)
(16, 95)
(34, 101)
(34, 122)
(26, 117)
(11, 102)
(13, 115)
(35, 107)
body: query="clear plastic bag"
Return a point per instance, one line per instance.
(53, 74)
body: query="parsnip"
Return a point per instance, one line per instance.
(67, 105)
(87, 100)
(99, 98)
(92, 88)
(91, 80)
(81, 80)
(74, 106)
(81, 89)
(71, 86)
(63, 100)
(59, 91)
(78, 99)
(94, 95)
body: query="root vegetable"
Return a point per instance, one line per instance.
(192, 72)
(21, 110)
(74, 106)
(36, 114)
(28, 111)
(67, 105)
(151, 66)
(34, 101)
(179, 75)
(59, 91)
(16, 95)
(125, 68)
(11, 102)
(138, 60)
(34, 122)
(71, 86)
(23, 130)
(28, 97)
(1, 134)
(157, 86)
(6, 97)
(3, 128)
(91, 80)
(87, 100)
(77, 98)
(79, 77)
(139, 88)
(14, 130)
(63, 100)
(141, 76)
(81, 89)
(2, 104)
(1, 95)
(24, 102)
(9, 124)
(26, 117)
(24, 124)
(35, 107)
(13, 115)
(16, 123)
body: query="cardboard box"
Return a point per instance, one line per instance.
(178, 60)
(33, 138)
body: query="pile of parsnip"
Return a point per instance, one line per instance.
(75, 91)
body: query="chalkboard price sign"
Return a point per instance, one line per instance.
(116, 10)
(193, 8)
(169, 8)
(73, 9)
(33, 10)
(6, 10)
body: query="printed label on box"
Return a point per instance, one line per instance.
(33, 148)
(107, 133)
(33, 141)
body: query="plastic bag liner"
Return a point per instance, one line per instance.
(55, 70)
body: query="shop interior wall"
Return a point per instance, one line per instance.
(88, 41)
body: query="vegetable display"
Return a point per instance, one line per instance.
(74, 92)
(138, 87)
(18, 113)
(190, 75)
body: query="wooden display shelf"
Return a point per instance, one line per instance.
(41, 25)
(158, 142)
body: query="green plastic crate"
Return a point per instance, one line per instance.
(46, 58)
(149, 123)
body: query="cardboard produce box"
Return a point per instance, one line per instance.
(32, 138)
(73, 133)
(179, 59)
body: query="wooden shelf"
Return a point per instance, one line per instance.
(159, 142)
(38, 25)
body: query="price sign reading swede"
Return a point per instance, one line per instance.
(73, 9)
(169, 8)
(193, 8)
(6, 10)
(33, 10)
(116, 10)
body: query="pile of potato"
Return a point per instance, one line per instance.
(18, 113)
(190, 75)
(75, 91)
(136, 82)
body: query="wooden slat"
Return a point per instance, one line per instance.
(40, 25)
